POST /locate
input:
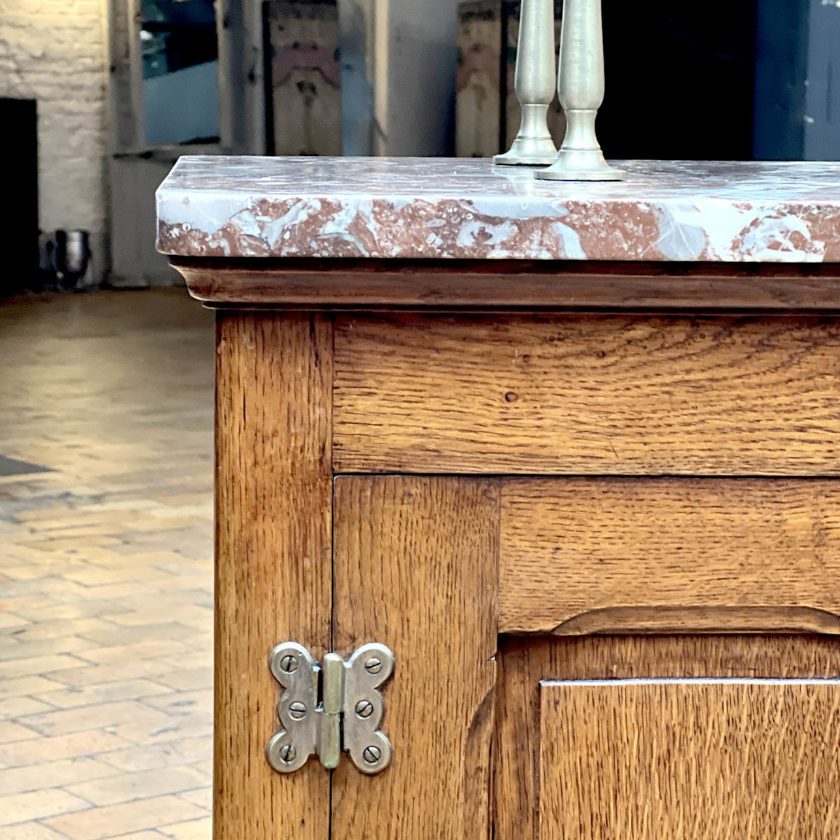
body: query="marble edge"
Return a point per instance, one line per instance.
(226, 223)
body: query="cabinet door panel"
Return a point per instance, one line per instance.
(525, 662)
(695, 760)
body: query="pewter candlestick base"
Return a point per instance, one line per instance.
(534, 85)
(530, 148)
(581, 158)
(580, 85)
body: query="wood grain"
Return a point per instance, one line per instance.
(459, 283)
(588, 395)
(415, 568)
(273, 576)
(694, 760)
(672, 554)
(524, 662)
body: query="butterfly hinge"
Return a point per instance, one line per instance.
(329, 707)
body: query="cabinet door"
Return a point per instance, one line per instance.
(730, 737)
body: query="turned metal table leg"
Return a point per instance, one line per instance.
(580, 84)
(534, 85)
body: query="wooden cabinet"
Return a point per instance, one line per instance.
(592, 507)
(603, 550)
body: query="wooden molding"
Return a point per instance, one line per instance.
(421, 284)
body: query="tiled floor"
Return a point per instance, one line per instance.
(105, 567)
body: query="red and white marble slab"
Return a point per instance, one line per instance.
(440, 208)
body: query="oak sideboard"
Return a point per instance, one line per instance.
(528, 512)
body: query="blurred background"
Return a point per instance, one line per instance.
(100, 97)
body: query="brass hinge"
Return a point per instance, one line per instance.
(345, 715)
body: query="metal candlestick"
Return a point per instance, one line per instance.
(580, 84)
(534, 86)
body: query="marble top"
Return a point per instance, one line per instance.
(441, 208)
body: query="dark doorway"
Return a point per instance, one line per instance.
(19, 146)
(680, 79)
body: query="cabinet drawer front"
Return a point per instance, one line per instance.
(692, 760)
(587, 395)
(595, 555)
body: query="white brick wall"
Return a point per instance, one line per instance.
(55, 51)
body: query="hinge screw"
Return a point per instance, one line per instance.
(372, 754)
(297, 710)
(288, 664)
(288, 753)
(364, 708)
(373, 665)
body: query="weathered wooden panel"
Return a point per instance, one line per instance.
(303, 84)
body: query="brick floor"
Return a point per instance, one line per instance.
(106, 567)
